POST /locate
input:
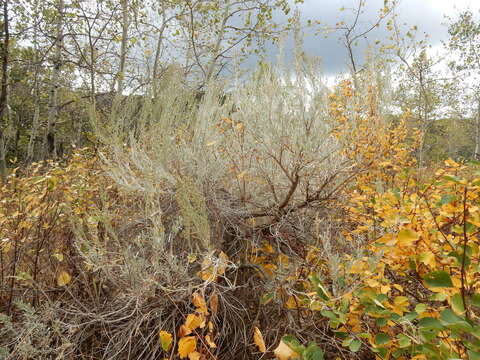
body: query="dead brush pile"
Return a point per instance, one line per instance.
(192, 234)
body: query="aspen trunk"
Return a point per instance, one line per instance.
(123, 47)
(49, 144)
(36, 114)
(4, 90)
(477, 132)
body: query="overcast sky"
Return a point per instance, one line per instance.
(428, 15)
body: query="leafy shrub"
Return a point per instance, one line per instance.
(414, 292)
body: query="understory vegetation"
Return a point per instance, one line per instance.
(161, 197)
(297, 225)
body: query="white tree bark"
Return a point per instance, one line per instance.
(123, 46)
(49, 140)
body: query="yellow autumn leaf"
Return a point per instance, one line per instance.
(373, 283)
(269, 269)
(211, 269)
(5, 245)
(398, 287)
(194, 355)
(207, 272)
(283, 352)
(58, 256)
(292, 302)
(427, 258)
(165, 340)
(258, 340)
(191, 258)
(186, 345)
(199, 302)
(268, 248)
(406, 237)
(63, 278)
(210, 342)
(194, 321)
(451, 163)
(385, 289)
(400, 305)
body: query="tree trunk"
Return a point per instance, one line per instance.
(4, 90)
(216, 48)
(49, 140)
(477, 132)
(36, 114)
(123, 47)
(156, 64)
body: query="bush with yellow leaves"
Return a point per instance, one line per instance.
(413, 291)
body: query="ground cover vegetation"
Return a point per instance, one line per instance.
(153, 209)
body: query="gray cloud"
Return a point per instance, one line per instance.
(427, 15)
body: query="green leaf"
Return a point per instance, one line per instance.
(329, 314)
(341, 335)
(473, 355)
(439, 297)
(320, 289)
(382, 339)
(313, 352)
(355, 345)
(453, 320)
(381, 322)
(457, 304)
(438, 279)
(293, 343)
(420, 308)
(454, 179)
(429, 322)
(475, 298)
(446, 199)
(403, 341)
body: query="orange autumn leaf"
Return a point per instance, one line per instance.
(184, 331)
(258, 340)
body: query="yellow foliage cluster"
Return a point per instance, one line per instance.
(196, 336)
(39, 210)
(414, 294)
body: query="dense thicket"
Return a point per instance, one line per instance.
(153, 209)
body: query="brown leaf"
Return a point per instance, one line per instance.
(214, 303)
